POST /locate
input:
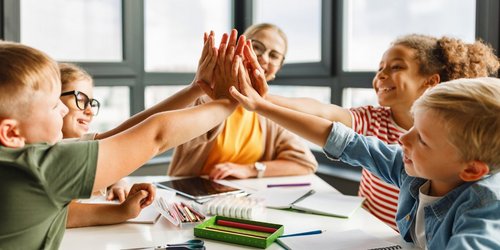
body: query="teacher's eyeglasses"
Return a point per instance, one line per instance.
(275, 58)
(83, 101)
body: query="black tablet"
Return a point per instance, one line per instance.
(198, 188)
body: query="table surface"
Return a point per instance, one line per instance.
(133, 235)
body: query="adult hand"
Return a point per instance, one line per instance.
(224, 170)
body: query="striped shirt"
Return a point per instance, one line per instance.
(381, 197)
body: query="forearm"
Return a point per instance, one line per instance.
(179, 100)
(310, 127)
(311, 106)
(84, 215)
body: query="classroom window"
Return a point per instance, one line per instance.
(114, 107)
(300, 20)
(174, 31)
(156, 94)
(357, 97)
(370, 26)
(77, 30)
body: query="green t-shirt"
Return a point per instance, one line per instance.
(37, 182)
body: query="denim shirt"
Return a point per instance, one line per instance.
(468, 217)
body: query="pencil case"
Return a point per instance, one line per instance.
(253, 233)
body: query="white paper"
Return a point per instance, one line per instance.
(330, 203)
(353, 239)
(280, 197)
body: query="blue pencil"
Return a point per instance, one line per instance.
(302, 234)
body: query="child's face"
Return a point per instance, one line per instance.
(44, 123)
(428, 153)
(77, 121)
(398, 82)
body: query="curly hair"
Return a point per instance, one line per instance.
(451, 58)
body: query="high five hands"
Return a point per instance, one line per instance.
(232, 71)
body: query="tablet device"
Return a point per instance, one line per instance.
(198, 188)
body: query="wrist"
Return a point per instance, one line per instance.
(260, 168)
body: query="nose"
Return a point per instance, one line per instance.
(88, 110)
(381, 75)
(405, 138)
(264, 58)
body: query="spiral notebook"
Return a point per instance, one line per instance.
(352, 239)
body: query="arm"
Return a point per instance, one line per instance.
(121, 154)
(84, 215)
(273, 168)
(185, 96)
(311, 106)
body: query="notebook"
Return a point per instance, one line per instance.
(352, 239)
(198, 188)
(308, 200)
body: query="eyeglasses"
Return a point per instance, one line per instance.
(275, 58)
(83, 101)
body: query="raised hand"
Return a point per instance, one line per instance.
(246, 94)
(252, 64)
(206, 65)
(228, 60)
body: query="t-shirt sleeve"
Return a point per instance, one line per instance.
(66, 170)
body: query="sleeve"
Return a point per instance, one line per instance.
(288, 146)
(477, 225)
(66, 170)
(360, 117)
(385, 161)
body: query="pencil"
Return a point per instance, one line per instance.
(289, 185)
(236, 233)
(303, 233)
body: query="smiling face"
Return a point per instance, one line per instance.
(76, 122)
(398, 82)
(275, 45)
(429, 154)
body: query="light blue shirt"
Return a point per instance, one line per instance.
(468, 217)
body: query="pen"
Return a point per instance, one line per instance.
(311, 192)
(303, 233)
(289, 185)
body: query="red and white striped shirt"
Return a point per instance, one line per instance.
(381, 197)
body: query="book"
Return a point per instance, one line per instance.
(352, 239)
(308, 200)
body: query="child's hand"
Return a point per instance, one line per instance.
(206, 65)
(118, 191)
(247, 96)
(252, 64)
(224, 170)
(150, 190)
(226, 70)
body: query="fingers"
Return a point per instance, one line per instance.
(146, 187)
(251, 57)
(240, 45)
(220, 171)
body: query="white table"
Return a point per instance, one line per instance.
(130, 235)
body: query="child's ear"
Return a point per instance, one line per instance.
(433, 80)
(474, 171)
(9, 134)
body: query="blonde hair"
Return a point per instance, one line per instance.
(256, 28)
(470, 109)
(24, 71)
(71, 73)
(451, 58)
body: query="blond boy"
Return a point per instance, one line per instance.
(447, 166)
(39, 177)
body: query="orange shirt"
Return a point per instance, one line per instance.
(239, 142)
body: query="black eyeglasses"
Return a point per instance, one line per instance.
(275, 58)
(83, 101)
